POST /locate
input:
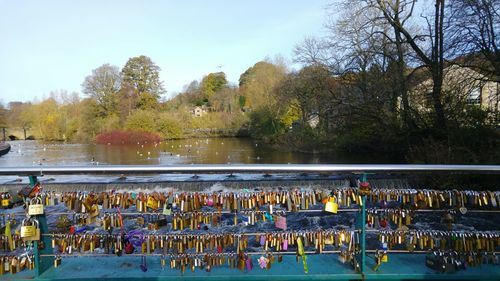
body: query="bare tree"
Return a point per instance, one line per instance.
(361, 43)
(103, 86)
(474, 27)
(432, 59)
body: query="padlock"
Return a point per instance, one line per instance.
(23, 262)
(6, 200)
(248, 263)
(342, 257)
(364, 188)
(2, 269)
(152, 203)
(36, 207)
(94, 211)
(57, 261)
(385, 258)
(241, 264)
(30, 230)
(14, 265)
(167, 207)
(331, 206)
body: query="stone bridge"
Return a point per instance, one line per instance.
(15, 134)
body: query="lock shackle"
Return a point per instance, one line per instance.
(30, 220)
(36, 200)
(27, 219)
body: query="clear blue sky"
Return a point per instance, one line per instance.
(53, 45)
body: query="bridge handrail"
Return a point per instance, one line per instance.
(248, 168)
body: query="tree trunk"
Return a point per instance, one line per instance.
(440, 119)
(438, 65)
(401, 81)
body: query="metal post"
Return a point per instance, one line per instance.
(363, 235)
(362, 226)
(42, 264)
(33, 180)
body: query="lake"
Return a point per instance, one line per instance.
(185, 151)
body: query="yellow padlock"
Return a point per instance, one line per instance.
(36, 207)
(30, 230)
(385, 258)
(331, 205)
(152, 203)
(5, 202)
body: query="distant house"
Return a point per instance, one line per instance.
(198, 111)
(313, 121)
(464, 83)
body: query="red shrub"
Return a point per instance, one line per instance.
(127, 137)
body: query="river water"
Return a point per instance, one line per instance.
(185, 151)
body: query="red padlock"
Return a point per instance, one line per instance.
(383, 223)
(129, 248)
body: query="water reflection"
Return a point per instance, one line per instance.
(186, 151)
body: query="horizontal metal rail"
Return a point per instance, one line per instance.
(248, 168)
(340, 210)
(233, 253)
(191, 254)
(191, 212)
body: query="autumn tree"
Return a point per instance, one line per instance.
(258, 82)
(103, 86)
(212, 83)
(89, 124)
(3, 115)
(143, 76)
(258, 90)
(226, 100)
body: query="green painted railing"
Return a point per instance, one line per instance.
(402, 267)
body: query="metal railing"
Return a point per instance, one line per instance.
(44, 257)
(248, 168)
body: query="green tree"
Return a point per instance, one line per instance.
(143, 75)
(266, 124)
(141, 120)
(88, 123)
(169, 127)
(103, 86)
(308, 94)
(212, 83)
